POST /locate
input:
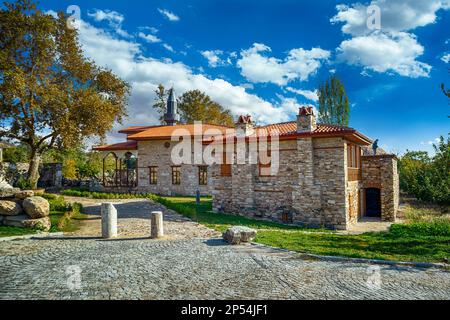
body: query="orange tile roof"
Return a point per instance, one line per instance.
(136, 129)
(165, 132)
(128, 145)
(288, 130)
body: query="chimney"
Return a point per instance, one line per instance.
(244, 126)
(171, 117)
(306, 120)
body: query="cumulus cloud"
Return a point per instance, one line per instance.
(308, 94)
(149, 37)
(114, 19)
(257, 67)
(380, 52)
(168, 47)
(446, 58)
(144, 73)
(169, 15)
(396, 15)
(214, 58)
(393, 48)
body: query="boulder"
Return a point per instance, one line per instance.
(36, 207)
(24, 221)
(8, 192)
(10, 208)
(22, 195)
(238, 235)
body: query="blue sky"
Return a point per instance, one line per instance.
(266, 58)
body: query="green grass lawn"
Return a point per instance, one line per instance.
(64, 218)
(415, 242)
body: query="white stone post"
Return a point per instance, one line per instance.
(109, 221)
(157, 229)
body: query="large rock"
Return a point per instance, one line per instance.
(8, 192)
(23, 221)
(10, 208)
(22, 195)
(36, 207)
(238, 235)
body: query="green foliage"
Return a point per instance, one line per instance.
(426, 178)
(23, 183)
(193, 106)
(17, 154)
(333, 102)
(437, 228)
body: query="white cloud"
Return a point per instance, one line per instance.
(52, 13)
(446, 58)
(299, 64)
(149, 37)
(214, 59)
(114, 19)
(125, 58)
(108, 15)
(308, 94)
(168, 47)
(380, 52)
(392, 48)
(169, 15)
(396, 15)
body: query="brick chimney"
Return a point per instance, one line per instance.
(306, 120)
(244, 126)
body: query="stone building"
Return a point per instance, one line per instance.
(322, 177)
(144, 162)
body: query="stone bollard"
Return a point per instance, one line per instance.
(157, 229)
(109, 221)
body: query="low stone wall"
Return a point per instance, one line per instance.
(24, 210)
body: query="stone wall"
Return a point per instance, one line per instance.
(308, 189)
(155, 153)
(381, 172)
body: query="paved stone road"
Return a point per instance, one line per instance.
(134, 220)
(196, 269)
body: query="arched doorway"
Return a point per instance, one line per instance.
(373, 202)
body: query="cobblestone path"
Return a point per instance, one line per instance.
(196, 269)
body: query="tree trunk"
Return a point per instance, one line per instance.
(33, 171)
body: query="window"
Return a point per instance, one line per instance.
(265, 163)
(176, 175)
(225, 167)
(153, 175)
(203, 175)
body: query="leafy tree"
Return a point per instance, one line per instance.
(333, 102)
(193, 106)
(427, 178)
(197, 106)
(160, 101)
(17, 154)
(50, 94)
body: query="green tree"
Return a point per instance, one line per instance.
(193, 106)
(17, 154)
(160, 101)
(333, 102)
(427, 178)
(197, 106)
(50, 94)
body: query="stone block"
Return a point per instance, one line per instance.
(109, 220)
(237, 235)
(24, 221)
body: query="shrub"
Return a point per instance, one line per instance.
(437, 228)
